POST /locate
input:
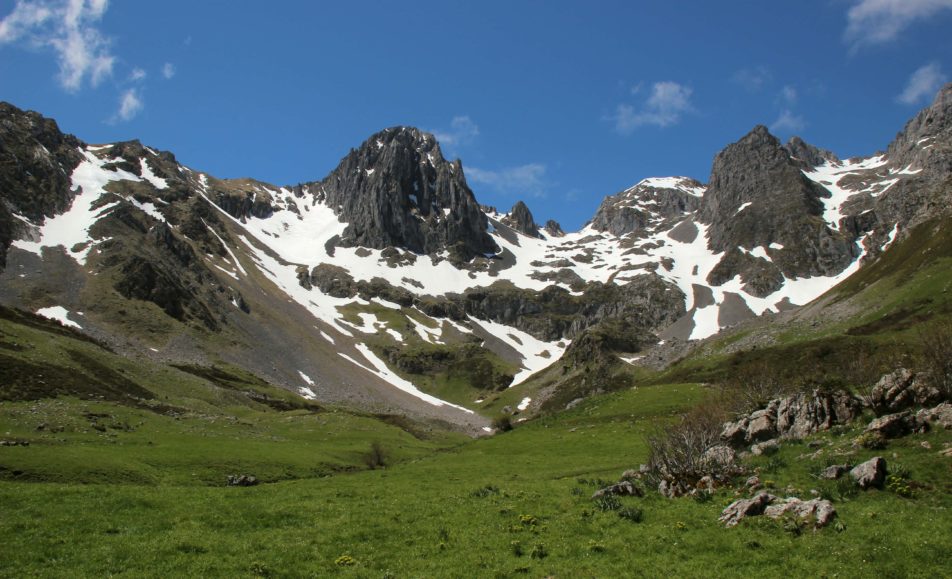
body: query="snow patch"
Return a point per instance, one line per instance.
(60, 314)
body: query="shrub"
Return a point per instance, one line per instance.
(377, 456)
(538, 551)
(632, 514)
(676, 452)
(502, 423)
(607, 503)
(345, 561)
(936, 346)
(595, 547)
(516, 547)
(871, 441)
(485, 491)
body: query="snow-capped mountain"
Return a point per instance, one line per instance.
(387, 285)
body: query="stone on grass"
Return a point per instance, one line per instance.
(835, 471)
(893, 425)
(242, 480)
(821, 511)
(871, 473)
(622, 489)
(938, 417)
(738, 510)
(767, 447)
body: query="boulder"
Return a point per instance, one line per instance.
(938, 417)
(821, 511)
(622, 489)
(871, 473)
(767, 447)
(763, 423)
(738, 510)
(242, 480)
(835, 471)
(901, 389)
(893, 425)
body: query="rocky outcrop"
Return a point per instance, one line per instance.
(938, 417)
(647, 205)
(819, 511)
(871, 473)
(793, 417)
(520, 219)
(553, 228)
(809, 156)
(735, 512)
(893, 425)
(758, 196)
(36, 162)
(899, 390)
(397, 190)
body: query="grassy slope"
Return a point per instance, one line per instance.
(424, 518)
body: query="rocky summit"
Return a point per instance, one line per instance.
(386, 280)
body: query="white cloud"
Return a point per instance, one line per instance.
(923, 84)
(753, 79)
(788, 95)
(526, 179)
(881, 21)
(168, 70)
(130, 104)
(788, 122)
(462, 131)
(664, 106)
(69, 28)
(137, 74)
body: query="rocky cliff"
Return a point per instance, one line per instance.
(397, 190)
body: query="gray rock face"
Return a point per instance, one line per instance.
(871, 473)
(36, 161)
(645, 207)
(520, 219)
(924, 145)
(793, 417)
(738, 510)
(758, 195)
(397, 190)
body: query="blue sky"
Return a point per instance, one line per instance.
(556, 103)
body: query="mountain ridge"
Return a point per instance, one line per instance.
(327, 279)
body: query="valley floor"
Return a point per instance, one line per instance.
(517, 504)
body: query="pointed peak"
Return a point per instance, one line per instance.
(520, 219)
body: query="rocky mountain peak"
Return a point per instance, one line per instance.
(36, 161)
(520, 219)
(925, 143)
(648, 204)
(758, 196)
(807, 154)
(397, 190)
